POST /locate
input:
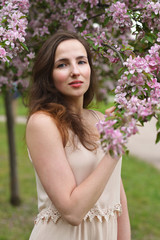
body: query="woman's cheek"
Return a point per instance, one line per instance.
(60, 76)
(87, 71)
(88, 74)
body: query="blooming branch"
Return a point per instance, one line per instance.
(13, 24)
(115, 50)
(137, 100)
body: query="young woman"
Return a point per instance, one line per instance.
(80, 193)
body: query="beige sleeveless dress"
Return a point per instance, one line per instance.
(100, 223)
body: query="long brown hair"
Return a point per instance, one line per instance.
(43, 96)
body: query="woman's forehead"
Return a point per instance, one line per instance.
(70, 48)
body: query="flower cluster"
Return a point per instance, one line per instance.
(113, 139)
(153, 58)
(154, 7)
(151, 13)
(13, 24)
(118, 11)
(79, 18)
(137, 99)
(17, 74)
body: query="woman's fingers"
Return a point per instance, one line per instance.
(110, 110)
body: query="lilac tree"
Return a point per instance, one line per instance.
(125, 39)
(13, 24)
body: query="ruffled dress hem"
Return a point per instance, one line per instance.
(51, 213)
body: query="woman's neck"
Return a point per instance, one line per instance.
(75, 106)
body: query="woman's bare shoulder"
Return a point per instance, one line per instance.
(40, 129)
(40, 120)
(40, 117)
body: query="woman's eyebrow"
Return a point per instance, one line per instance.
(79, 57)
(67, 59)
(61, 60)
(85, 58)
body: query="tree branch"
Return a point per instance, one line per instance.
(98, 15)
(102, 5)
(115, 50)
(137, 9)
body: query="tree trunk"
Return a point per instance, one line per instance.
(15, 198)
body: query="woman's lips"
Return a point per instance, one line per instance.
(76, 83)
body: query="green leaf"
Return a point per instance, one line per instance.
(128, 47)
(150, 39)
(95, 46)
(146, 86)
(2, 44)
(118, 114)
(7, 64)
(136, 74)
(158, 123)
(158, 137)
(24, 46)
(129, 76)
(4, 20)
(110, 118)
(8, 58)
(153, 15)
(106, 20)
(148, 75)
(120, 70)
(149, 117)
(135, 92)
(22, 17)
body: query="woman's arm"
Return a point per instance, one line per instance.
(47, 152)
(124, 229)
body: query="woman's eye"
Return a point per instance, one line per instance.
(62, 65)
(81, 62)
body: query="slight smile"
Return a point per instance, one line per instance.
(76, 83)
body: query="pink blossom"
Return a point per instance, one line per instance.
(137, 64)
(13, 29)
(150, 8)
(129, 128)
(119, 13)
(112, 140)
(2, 52)
(31, 55)
(92, 2)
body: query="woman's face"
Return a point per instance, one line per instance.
(71, 71)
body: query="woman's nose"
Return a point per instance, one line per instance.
(75, 70)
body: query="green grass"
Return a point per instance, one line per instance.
(100, 106)
(16, 222)
(141, 183)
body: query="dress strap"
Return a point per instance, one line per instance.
(29, 155)
(95, 114)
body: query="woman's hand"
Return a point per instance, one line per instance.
(110, 111)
